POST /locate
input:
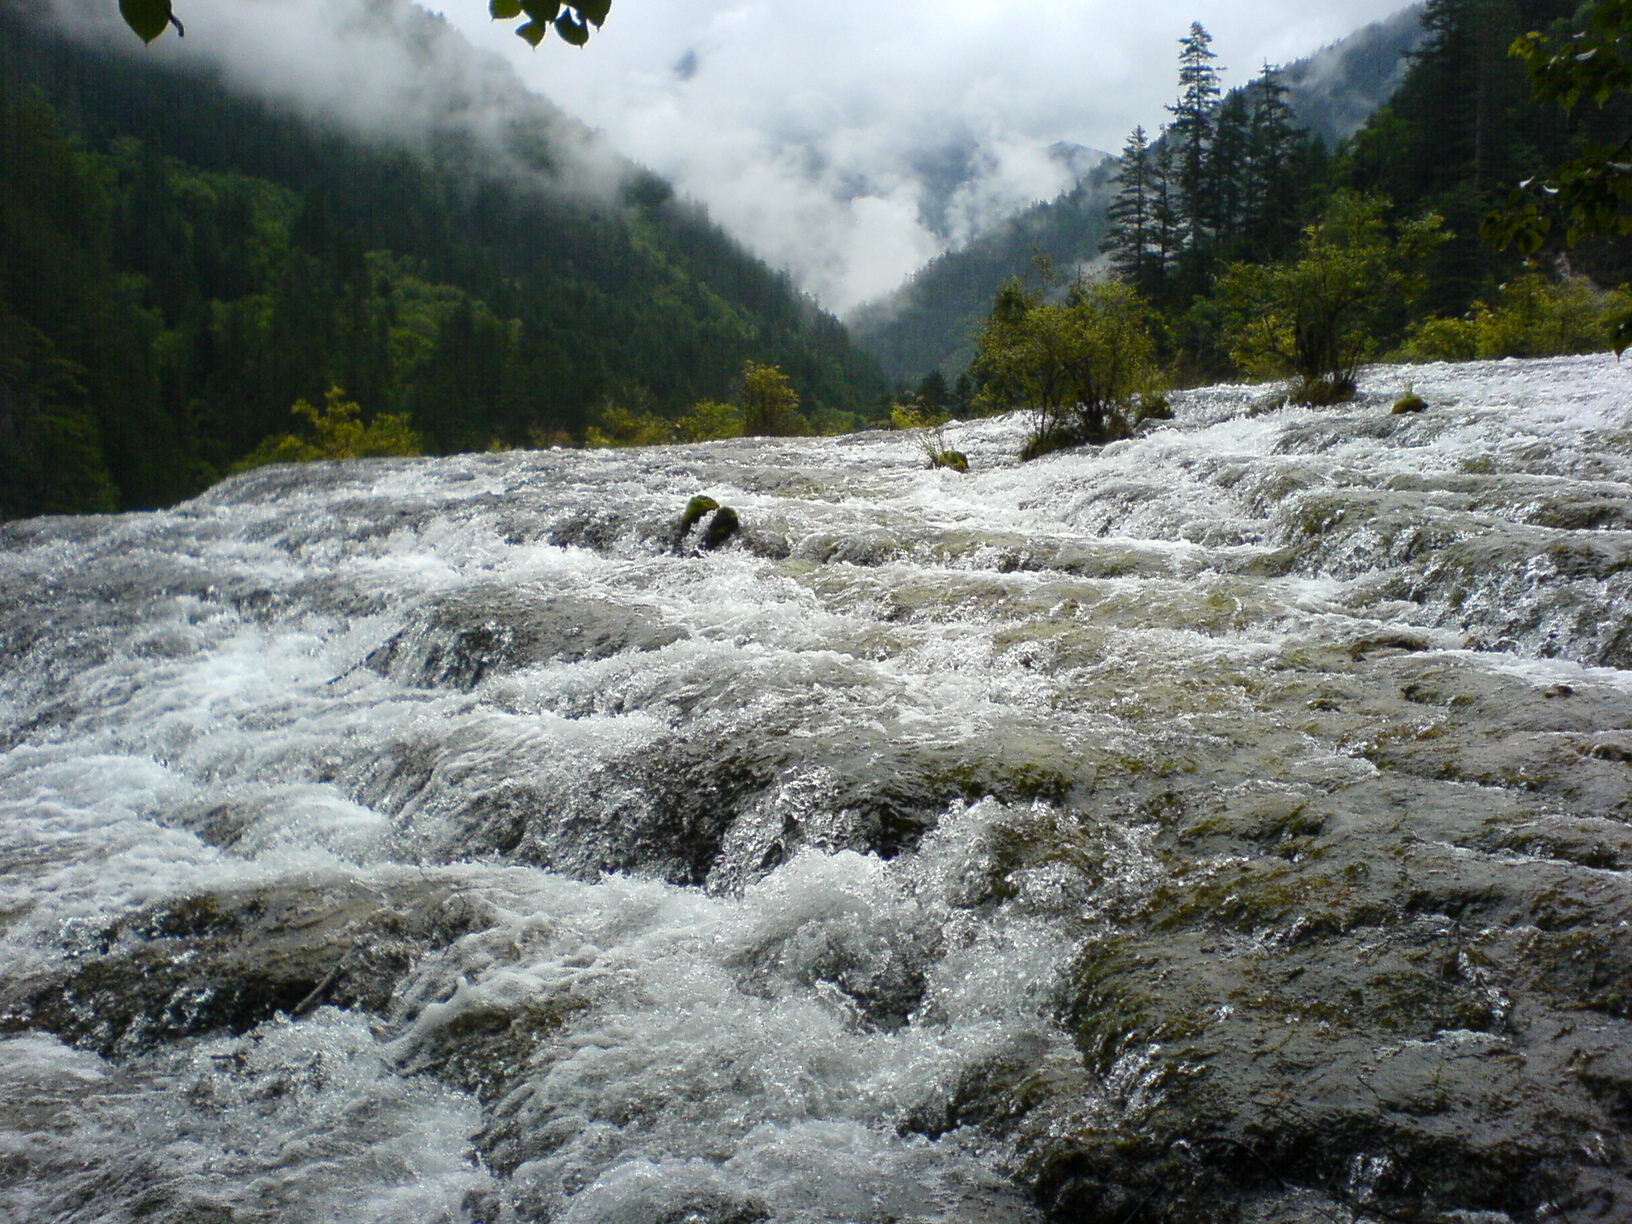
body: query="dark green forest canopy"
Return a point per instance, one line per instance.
(180, 265)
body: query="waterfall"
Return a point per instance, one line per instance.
(1231, 822)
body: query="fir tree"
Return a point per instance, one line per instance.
(1273, 189)
(1131, 217)
(1193, 128)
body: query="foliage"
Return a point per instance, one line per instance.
(1592, 190)
(770, 405)
(927, 424)
(614, 424)
(571, 22)
(707, 420)
(1317, 316)
(1082, 366)
(336, 431)
(1532, 316)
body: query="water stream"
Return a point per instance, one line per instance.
(1130, 833)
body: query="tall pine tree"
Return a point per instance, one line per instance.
(1193, 129)
(1131, 229)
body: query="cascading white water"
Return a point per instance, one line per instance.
(434, 840)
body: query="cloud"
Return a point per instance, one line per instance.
(799, 125)
(848, 142)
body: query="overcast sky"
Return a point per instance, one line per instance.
(798, 123)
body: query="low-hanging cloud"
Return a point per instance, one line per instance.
(805, 128)
(382, 68)
(847, 142)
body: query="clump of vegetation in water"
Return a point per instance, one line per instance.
(928, 428)
(1409, 402)
(1086, 367)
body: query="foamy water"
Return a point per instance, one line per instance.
(715, 835)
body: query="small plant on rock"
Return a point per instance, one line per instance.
(928, 427)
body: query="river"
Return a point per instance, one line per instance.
(1231, 823)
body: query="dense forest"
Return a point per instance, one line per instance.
(1239, 177)
(1234, 184)
(180, 265)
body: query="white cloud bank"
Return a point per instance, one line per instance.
(847, 141)
(803, 126)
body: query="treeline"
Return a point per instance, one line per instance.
(180, 266)
(1232, 181)
(1237, 246)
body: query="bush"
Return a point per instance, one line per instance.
(1086, 367)
(337, 431)
(1533, 316)
(1316, 317)
(615, 425)
(927, 424)
(708, 420)
(770, 405)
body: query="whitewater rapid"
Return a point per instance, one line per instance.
(436, 841)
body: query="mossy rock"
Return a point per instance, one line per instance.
(721, 528)
(694, 511)
(956, 460)
(484, 1048)
(1319, 392)
(1409, 403)
(227, 962)
(1047, 441)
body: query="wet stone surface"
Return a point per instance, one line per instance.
(1231, 825)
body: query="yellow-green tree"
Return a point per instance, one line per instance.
(707, 420)
(770, 405)
(336, 431)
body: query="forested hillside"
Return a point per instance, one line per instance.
(931, 322)
(1464, 129)
(179, 265)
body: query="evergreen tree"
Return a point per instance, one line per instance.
(1167, 224)
(1232, 133)
(1131, 233)
(1273, 188)
(1193, 129)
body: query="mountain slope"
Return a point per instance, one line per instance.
(496, 273)
(931, 321)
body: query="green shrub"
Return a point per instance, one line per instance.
(614, 424)
(770, 405)
(1086, 367)
(927, 424)
(708, 420)
(1316, 317)
(336, 431)
(1532, 315)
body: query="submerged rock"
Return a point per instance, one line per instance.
(489, 628)
(227, 961)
